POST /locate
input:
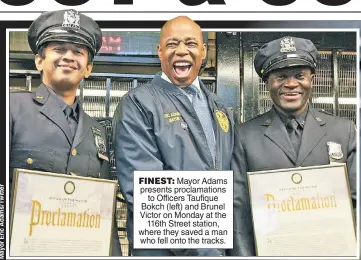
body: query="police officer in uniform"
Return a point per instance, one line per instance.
(292, 133)
(49, 131)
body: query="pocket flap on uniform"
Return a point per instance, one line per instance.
(32, 158)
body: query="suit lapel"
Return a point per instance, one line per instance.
(312, 134)
(50, 108)
(84, 124)
(276, 132)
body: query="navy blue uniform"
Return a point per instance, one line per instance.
(40, 139)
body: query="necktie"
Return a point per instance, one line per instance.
(73, 124)
(200, 105)
(294, 134)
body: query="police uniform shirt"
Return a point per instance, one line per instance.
(300, 119)
(286, 121)
(70, 112)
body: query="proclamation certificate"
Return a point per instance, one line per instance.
(61, 215)
(304, 211)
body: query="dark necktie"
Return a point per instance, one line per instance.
(73, 124)
(200, 105)
(294, 134)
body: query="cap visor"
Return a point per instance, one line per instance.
(65, 37)
(289, 63)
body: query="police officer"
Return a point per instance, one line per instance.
(49, 131)
(292, 133)
(173, 122)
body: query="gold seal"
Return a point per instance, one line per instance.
(222, 120)
(69, 187)
(296, 178)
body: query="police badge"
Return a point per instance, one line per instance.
(334, 151)
(100, 144)
(222, 120)
(287, 45)
(71, 19)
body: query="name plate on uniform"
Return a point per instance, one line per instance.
(304, 211)
(61, 215)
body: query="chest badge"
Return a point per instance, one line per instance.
(222, 120)
(100, 144)
(334, 151)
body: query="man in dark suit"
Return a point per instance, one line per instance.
(292, 133)
(49, 131)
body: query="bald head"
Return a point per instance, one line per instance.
(181, 21)
(181, 50)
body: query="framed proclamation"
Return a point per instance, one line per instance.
(61, 215)
(304, 211)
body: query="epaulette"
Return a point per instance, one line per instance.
(19, 91)
(257, 116)
(253, 118)
(325, 112)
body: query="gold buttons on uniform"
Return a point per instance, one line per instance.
(29, 161)
(73, 152)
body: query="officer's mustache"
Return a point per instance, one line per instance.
(63, 62)
(284, 89)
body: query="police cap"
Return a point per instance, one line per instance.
(65, 26)
(283, 53)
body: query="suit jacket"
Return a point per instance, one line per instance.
(264, 144)
(40, 139)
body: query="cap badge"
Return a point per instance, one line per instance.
(71, 19)
(287, 45)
